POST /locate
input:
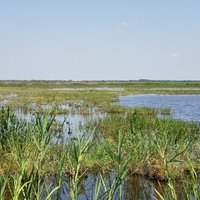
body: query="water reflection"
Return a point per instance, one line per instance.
(134, 188)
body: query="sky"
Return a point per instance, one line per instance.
(99, 39)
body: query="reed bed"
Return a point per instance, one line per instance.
(39, 160)
(35, 163)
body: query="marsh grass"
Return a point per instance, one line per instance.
(24, 147)
(148, 138)
(29, 92)
(79, 147)
(31, 155)
(31, 158)
(187, 189)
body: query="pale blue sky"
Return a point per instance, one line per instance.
(100, 39)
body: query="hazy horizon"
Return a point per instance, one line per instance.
(101, 80)
(100, 40)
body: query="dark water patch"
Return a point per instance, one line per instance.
(133, 187)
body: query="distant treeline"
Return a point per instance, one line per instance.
(92, 81)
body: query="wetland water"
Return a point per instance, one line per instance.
(134, 187)
(137, 188)
(184, 107)
(175, 89)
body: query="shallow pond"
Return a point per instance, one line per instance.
(175, 89)
(184, 107)
(74, 124)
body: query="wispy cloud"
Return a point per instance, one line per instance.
(120, 31)
(122, 27)
(174, 55)
(128, 25)
(125, 24)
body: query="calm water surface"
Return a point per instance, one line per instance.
(175, 89)
(184, 107)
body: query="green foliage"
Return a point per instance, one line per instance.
(125, 140)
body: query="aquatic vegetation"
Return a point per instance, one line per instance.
(29, 92)
(31, 156)
(41, 157)
(129, 143)
(143, 136)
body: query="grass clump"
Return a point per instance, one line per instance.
(149, 139)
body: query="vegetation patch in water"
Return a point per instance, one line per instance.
(38, 161)
(161, 149)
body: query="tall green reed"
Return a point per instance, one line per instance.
(79, 147)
